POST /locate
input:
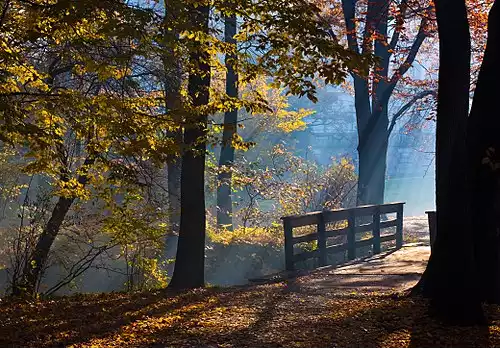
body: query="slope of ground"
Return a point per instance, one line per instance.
(274, 315)
(349, 306)
(319, 309)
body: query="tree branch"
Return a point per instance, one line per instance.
(399, 24)
(5, 8)
(405, 108)
(370, 25)
(415, 47)
(419, 39)
(349, 9)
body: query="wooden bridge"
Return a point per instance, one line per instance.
(353, 222)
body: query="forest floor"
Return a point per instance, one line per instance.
(272, 315)
(342, 307)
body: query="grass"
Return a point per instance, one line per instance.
(274, 315)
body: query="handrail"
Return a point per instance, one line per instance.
(321, 218)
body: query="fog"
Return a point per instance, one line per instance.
(330, 134)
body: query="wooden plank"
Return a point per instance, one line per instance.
(389, 223)
(305, 238)
(351, 236)
(306, 255)
(289, 258)
(337, 248)
(321, 241)
(321, 218)
(364, 242)
(337, 233)
(336, 215)
(390, 207)
(364, 210)
(387, 238)
(364, 228)
(340, 214)
(399, 227)
(376, 232)
(302, 220)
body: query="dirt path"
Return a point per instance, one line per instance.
(416, 229)
(383, 273)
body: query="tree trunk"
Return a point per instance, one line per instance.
(372, 116)
(174, 192)
(33, 269)
(172, 85)
(224, 200)
(373, 162)
(373, 127)
(483, 133)
(190, 260)
(449, 278)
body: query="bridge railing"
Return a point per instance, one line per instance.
(351, 229)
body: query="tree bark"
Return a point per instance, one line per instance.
(174, 192)
(372, 170)
(449, 280)
(372, 151)
(190, 260)
(482, 134)
(226, 159)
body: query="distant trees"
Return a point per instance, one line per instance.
(386, 35)
(94, 93)
(173, 75)
(226, 158)
(280, 51)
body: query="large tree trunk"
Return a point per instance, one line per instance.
(372, 169)
(224, 200)
(373, 127)
(483, 133)
(449, 278)
(372, 116)
(190, 260)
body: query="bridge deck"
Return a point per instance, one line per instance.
(383, 273)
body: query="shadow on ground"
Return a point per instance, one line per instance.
(276, 315)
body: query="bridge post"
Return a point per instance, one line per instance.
(376, 231)
(351, 236)
(399, 227)
(289, 262)
(321, 240)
